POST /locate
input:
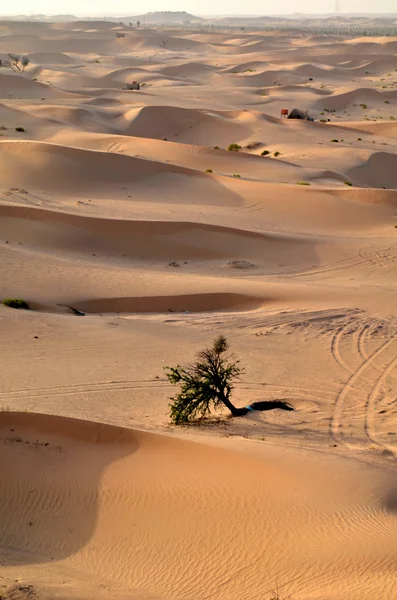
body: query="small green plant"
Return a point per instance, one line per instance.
(15, 303)
(364, 106)
(19, 129)
(234, 147)
(335, 141)
(208, 170)
(302, 183)
(277, 153)
(265, 152)
(236, 175)
(348, 183)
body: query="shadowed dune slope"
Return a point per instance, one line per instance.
(65, 169)
(55, 231)
(97, 496)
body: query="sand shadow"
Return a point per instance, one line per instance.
(50, 478)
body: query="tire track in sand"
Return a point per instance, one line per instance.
(337, 416)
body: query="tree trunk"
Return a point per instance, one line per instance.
(236, 412)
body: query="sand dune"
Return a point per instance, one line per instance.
(356, 96)
(63, 169)
(107, 490)
(378, 171)
(129, 206)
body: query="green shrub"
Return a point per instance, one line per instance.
(15, 303)
(19, 129)
(236, 175)
(335, 141)
(205, 384)
(348, 183)
(277, 153)
(208, 170)
(234, 147)
(265, 152)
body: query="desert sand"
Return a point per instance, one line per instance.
(127, 205)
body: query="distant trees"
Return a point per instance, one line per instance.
(15, 62)
(205, 384)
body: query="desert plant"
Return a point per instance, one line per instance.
(348, 183)
(19, 129)
(208, 170)
(302, 183)
(335, 141)
(265, 152)
(15, 62)
(277, 153)
(236, 175)
(234, 147)
(15, 303)
(205, 384)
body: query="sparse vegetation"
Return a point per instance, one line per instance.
(277, 153)
(208, 170)
(236, 175)
(15, 62)
(348, 183)
(21, 129)
(265, 152)
(15, 303)
(302, 183)
(205, 384)
(335, 141)
(234, 147)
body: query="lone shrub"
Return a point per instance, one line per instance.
(208, 170)
(348, 183)
(15, 303)
(205, 384)
(236, 175)
(335, 141)
(19, 129)
(234, 147)
(265, 152)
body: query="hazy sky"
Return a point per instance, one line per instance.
(201, 7)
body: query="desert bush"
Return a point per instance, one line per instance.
(234, 147)
(205, 384)
(19, 129)
(15, 303)
(236, 175)
(277, 153)
(265, 152)
(335, 141)
(348, 183)
(208, 170)
(302, 183)
(15, 62)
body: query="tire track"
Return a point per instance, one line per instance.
(370, 415)
(336, 419)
